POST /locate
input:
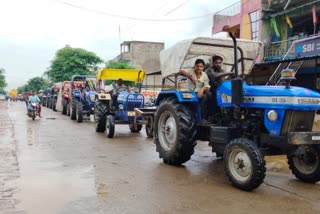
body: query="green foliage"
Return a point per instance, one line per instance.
(72, 61)
(118, 65)
(34, 84)
(3, 82)
(2, 91)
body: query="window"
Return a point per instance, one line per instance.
(254, 18)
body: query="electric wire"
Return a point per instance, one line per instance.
(129, 17)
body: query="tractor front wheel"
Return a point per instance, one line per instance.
(175, 132)
(149, 127)
(133, 130)
(54, 104)
(64, 106)
(100, 115)
(306, 165)
(73, 113)
(79, 114)
(109, 132)
(244, 164)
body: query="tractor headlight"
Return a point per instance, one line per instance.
(272, 115)
(120, 106)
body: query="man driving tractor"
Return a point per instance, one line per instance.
(117, 88)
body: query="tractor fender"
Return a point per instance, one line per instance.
(189, 98)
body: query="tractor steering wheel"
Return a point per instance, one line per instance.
(220, 77)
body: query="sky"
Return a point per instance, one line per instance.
(32, 31)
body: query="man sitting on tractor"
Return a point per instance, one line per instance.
(213, 72)
(201, 81)
(117, 88)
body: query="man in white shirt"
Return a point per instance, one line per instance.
(201, 81)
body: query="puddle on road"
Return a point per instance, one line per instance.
(51, 118)
(48, 187)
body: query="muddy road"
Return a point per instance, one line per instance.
(55, 165)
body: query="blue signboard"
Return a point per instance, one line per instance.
(309, 47)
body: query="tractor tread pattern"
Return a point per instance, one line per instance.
(186, 127)
(258, 164)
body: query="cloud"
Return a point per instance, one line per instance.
(33, 30)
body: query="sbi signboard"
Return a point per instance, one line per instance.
(310, 47)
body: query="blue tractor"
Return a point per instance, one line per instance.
(120, 109)
(82, 96)
(249, 122)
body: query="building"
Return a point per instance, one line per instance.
(143, 55)
(277, 23)
(289, 30)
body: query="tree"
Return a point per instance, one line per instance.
(36, 84)
(3, 83)
(119, 65)
(22, 89)
(72, 61)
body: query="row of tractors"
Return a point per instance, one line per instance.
(249, 121)
(85, 95)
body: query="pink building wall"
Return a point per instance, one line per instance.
(242, 18)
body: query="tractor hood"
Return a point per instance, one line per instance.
(277, 97)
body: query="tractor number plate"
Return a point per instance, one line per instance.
(131, 113)
(315, 137)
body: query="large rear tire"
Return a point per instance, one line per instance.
(79, 114)
(109, 132)
(244, 164)
(100, 115)
(73, 114)
(175, 132)
(306, 167)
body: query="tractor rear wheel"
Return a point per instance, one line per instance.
(175, 132)
(100, 115)
(306, 167)
(79, 115)
(109, 132)
(73, 113)
(244, 164)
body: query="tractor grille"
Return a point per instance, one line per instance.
(298, 121)
(134, 101)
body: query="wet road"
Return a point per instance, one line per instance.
(55, 165)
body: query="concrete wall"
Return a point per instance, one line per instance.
(145, 55)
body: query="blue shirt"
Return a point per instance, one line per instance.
(34, 98)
